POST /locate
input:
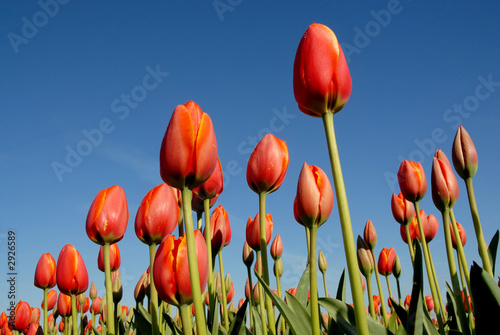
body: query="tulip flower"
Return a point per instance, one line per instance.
(157, 215)
(21, 317)
(64, 304)
(83, 303)
(213, 186)
(32, 329)
(35, 315)
(402, 209)
(171, 271)
(464, 154)
(429, 302)
(365, 259)
(248, 255)
(321, 79)
(370, 234)
(45, 273)
(277, 247)
(461, 232)
(142, 286)
(253, 231)
(314, 196)
(444, 183)
(386, 261)
(412, 181)
(95, 308)
(267, 165)
(413, 230)
(114, 257)
(219, 221)
(51, 299)
(108, 216)
(188, 154)
(71, 273)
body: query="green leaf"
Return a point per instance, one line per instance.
(303, 315)
(492, 250)
(143, 319)
(256, 322)
(303, 287)
(485, 298)
(173, 327)
(414, 323)
(401, 313)
(234, 328)
(341, 287)
(453, 325)
(292, 320)
(392, 323)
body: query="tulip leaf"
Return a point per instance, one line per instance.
(303, 314)
(341, 287)
(400, 312)
(257, 324)
(485, 298)
(303, 287)
(143, 319)
(392, 322)
(492, 250)
(215, 318)
(334, 328)
(453, 325)
(291, 318)
(234, 328)
(172, 326)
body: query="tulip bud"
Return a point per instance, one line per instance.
(386, 261)
(227, 282)
(45, 273)
(219, 221)
(248, 255)
(140, 288)
(51, 300)
(276, 247)
(253, 231)
(444, 183)
(322, 263)
(365, 258)
(464, 154)
(278, 267)
(412, 181)
(402, 209)
(396, 267)
(363, 282)
(93, 291)
(117, 290)
(71, 273)
(64, 304)
(461, 232)
(429, 303)
(370, 234)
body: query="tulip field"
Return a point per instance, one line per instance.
(187, 233)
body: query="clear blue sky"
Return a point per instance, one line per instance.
(419, 69)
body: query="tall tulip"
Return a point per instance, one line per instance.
(277, 247)
(51, 299)
(412, 181)
(71, 273)
(219, 222)
(64, 304)
(370, 234)
(444, 183)
(45, 278)
(386, 261)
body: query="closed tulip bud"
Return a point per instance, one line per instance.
(141, 287)
(253, 231)
(171, 270)
(370, 234)
(230, 293)
(322, 263)
(314, 196)
(114, 257)
(241, 302)
(96, 305)
(227, 281)
(321, 79)
(71, 273)
(51, 299)
(157, 215)
(188, 153)
(365, 259)
(108, 216)
(64, 304)
(93, 291)
(45, 273)
(117, 290)
(267, 165)
(276, 247)
(431, 228)
(248, 255)
(278, 267)
(213, 186)
(219, 221)
(444, 183)
(461, 232)
(429, 302)
(402, 209)
(396, 267)
(386, 261)
(80, 300)
(412, 181)
(464, 154)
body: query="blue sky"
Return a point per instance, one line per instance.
(115, 71)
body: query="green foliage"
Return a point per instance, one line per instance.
(485, 299)
(492, 250)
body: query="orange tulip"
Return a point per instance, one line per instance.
(314, 199)
(108, 216)
(64, 304)
(429, 303)
(51, 299)
(35, 315)
(461, 232)
(21, 318)
(365, 258)
(33, 329)
(188, 153)
(267, 165)
(3, 320)
(85, 307)
(95, 305)
(413, 229)
(157, 215)
(142, 286)
(412, 181)
(386, 261)
(430, 225)
(248, 255)
(402, 209)
(444, 183)
(219, 222)
(277, 247)
(114, 257)
(213, 186)
(71, 273)
(321, 78)
(370, 234)
(464, 154)
(253, 231)
(171, 270)
(45, 273)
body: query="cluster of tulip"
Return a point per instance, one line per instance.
(181, 270)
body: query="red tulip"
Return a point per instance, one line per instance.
(61, 326)
(45, 273)
(35, 315)
(188, 153)
(413, 229)
(157, 215)
(171, 270)
(95, 305)
(253, 231)
(461, 232)
(219, 221)
(230, 294)
(314, 196)
(86, 305)
(71, 273)
(464, 154)
(443, 181)
(429, 303)
(370, 234)
(51, 299)
(114, 257)
(365, 258)
(277, 247)
(412, 180)
(248, 255)
(213, 186)
(142, 286)
(33, 329)
(21, 318)
(3, 321)
(402, 209)
(376, 303)
(386, 261)
(321, 78)
(267, 165)
(108, 216)
(432, 227)
(407, 300)
(64, 304)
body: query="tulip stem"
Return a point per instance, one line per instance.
(153, 294)
(399, 292)
(460, 249)
(110, 321)
(370, 296)
(314, 282)
(74, 314)
(45, 311)
(250, 296)
(185, 319)
(280, 294)
(410, 243)
(441, 305)
(324, 283)
(379, 286)
(390, 291)
(265, 269)
(308, 240)
(261, 298)
(345, 223)
(208, 239)
(199, 218)
(483, 251)
(193, 262)
(223, 290)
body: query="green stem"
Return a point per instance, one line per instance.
(324, 283)
(74, 314)
(110, 321)
(223, 290)
(45, 311)
(280, 294)
(460, 249)
(199, 219)
(93, 317)
(380, 292)
(193, 262)
(250, 297)
(265, 268)
(483, 251)
(208, 240)
(186, 319)
(314, 282)
(308, 241)
(370, 296)
(66, 325)
(115, 316)
(410, 243)
(389, 289)
(399, 292)
(261, 298)
(345, 223)
(153, 294)
(441, 305)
